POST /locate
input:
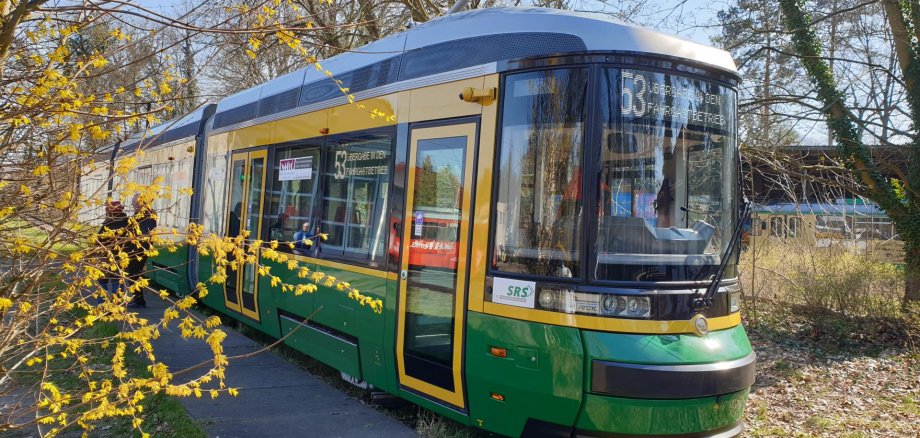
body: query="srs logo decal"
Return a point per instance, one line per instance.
(514, 292)
(519, 292)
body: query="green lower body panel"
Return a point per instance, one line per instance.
(717, 346)
(541, 376)
(339, 353)
(661, 417)
(666, 384)
(168, 269)
(542, 380)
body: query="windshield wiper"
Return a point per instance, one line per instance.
(700, 303)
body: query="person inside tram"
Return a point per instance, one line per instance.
(233, 225)
(663, 204)
(303, 239)
(276, 229)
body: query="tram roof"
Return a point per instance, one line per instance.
(456, 41)
(822, 209)
(166, 132)
(178, 128)
(452, 42)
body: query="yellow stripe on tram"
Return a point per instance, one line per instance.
(639, 326)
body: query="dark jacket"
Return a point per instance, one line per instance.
(118, 223)
(141, 243)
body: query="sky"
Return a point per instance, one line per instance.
(690, 19)
(694, 20)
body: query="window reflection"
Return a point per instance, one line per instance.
(292, 196)
(357, 177)
(539, 206)
(665, 176)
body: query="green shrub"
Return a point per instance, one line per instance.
(820, 280)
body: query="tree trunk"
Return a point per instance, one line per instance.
(900, 200)
(911, 271)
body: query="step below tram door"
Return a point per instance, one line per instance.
(247, 186)
(435, 258)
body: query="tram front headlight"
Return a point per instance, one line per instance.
(734, 301)
(626, 305)
(548, 299)
(610, 304)
(557, 300)
(638, 307)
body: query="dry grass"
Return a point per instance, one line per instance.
(820, 279)
(837, 354)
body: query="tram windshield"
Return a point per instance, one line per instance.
(664, 153)
(666, 180)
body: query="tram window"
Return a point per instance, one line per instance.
(862, 228)
(665, 193)
(830, 227)
(795, 223)
(183, 180)
(357, 178)
(777, 226)
(540, 175)
(162, 177)
(292, 196)
(757, 226)
(213, 193)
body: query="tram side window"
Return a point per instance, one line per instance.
(182, 182)
(357, 179)
(795, 223)
(163, 204)
(539, 174)
(213, 193)
(291, 199)
(757, 226)
(777, 227)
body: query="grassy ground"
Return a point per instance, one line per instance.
(164, 416)
(837, 355)
(65, 243)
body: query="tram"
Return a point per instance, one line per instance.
(549, 220)
(847, 224)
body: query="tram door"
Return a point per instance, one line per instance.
(435, 259)
(247, 184)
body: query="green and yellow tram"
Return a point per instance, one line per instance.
(556, 194)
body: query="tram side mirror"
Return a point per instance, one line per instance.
(481, 95)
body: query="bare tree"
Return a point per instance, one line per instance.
(893, 187)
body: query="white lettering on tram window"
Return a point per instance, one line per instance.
(361, 163)
(514, 292)
(645, 94)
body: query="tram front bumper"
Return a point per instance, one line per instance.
(672, 381)
(675, 385)
(711, 417)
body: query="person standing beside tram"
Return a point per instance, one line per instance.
(141, 225)
(111, 236)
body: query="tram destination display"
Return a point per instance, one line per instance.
(666, 97)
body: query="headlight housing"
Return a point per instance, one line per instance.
(734, 301)
(597, 304)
